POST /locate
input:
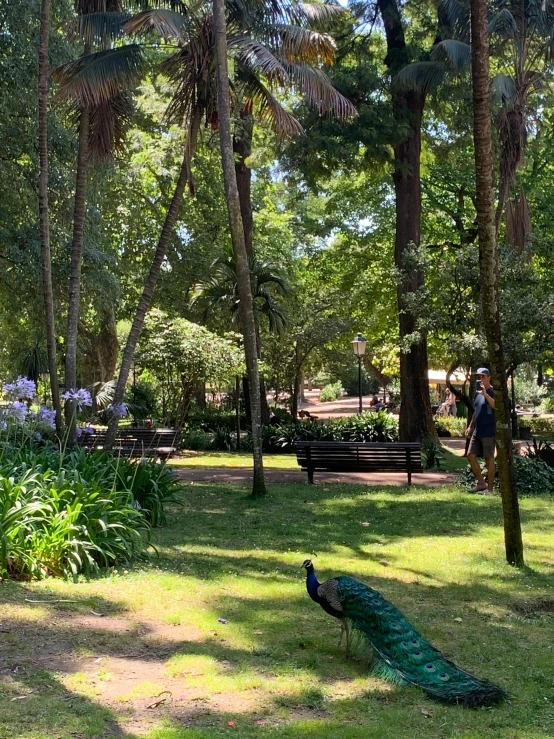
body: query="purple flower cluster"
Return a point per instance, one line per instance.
(118, 409)
(17, 411)
(81, 396)
(22, 388)
(3, 425)
(47, 416)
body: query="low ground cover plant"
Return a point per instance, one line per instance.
(72, 513)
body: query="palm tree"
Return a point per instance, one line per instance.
(220, 290)
(488, 252)
(523, 42)
(44, 74)
(192, 69)
(239, 247)
(101, 130)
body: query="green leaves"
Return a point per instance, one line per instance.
(96, 78)
(78, 513)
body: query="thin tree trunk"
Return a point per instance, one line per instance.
(488, 259)
(416, 418)
(242, 147)
(239, 247)
(46, 257)
(150, 285)
(75, 273)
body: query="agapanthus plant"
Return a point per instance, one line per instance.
(17, 411)
(117, 409)
(80, 396)
(21, 389)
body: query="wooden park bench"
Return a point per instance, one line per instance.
(136, 442)
(347, 456)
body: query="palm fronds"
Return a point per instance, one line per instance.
(169, 24)
(95, 78)
(96, 28)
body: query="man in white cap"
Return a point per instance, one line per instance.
(482, 430)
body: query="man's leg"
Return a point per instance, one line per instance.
(491, 471)
(476, 469)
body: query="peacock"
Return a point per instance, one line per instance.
(402, 654)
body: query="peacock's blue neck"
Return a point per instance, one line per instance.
(312, 585)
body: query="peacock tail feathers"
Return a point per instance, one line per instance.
(403, 655)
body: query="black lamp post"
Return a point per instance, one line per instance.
(358, 345)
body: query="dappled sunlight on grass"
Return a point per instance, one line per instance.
(221, 622)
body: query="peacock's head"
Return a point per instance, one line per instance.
(307, 564)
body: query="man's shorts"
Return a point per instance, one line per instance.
(482, 446)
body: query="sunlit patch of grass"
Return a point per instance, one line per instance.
(223, 611)
(234, 459)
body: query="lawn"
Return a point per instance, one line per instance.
(451, 461)
(271, 667)
(234, 459)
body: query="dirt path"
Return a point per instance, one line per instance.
(243, 476)
(115, 661)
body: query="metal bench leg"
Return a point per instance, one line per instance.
(409, 466)
(311, 475)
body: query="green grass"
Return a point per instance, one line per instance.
(274, 669)
(234, 459)
(452, 460)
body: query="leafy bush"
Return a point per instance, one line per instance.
(153, 487)
(547, 404)
(57, 523)
(367, 426)
(196, 440)
(450, 425)
(76, 513)
(538, 425)
(532, 476)
(432, 454)
(350, 381)
(141, 401)
(223, 440)
(528, 392)
(211, 420)
(331, 392)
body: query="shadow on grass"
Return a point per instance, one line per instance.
(280, 651)
(294, 665)
(317, 519)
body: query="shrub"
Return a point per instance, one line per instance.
(141, 401)
(450, 425)
(196, 440)
(538, 425)
(223, 440)
(331, 392)
(528, 392)
(368, 426)
(547, 404)
(153, 487)
(56, 523)
(210, 420)
(350, 382)
(532, 476)
(432, 454)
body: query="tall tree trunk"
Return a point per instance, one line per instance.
(150, 285)
(488, 259)
(242, 147)
(46, 257)
(239, 247)
(79, 213)
(416, 418)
